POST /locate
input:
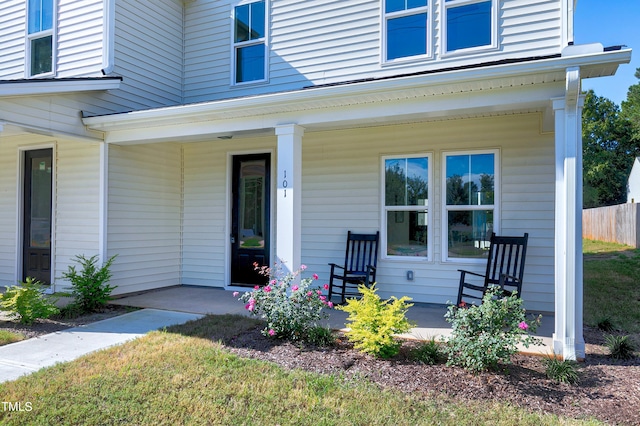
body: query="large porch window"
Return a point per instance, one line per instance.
(405, 216)
(471, 197)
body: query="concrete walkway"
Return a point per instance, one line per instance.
(25, 357)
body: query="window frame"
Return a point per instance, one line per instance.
(30, 37)
(384, 209)
(455, 207)
(385, 17)
(235, 46)
(451, 4)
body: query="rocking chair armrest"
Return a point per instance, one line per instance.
(504, 278)
(333, 266)
(463, 273)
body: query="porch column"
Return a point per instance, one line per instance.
(568, 340)
(289, 196)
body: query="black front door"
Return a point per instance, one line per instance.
(36, 255)
(250, 218)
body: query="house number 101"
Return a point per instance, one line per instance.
(285, 183)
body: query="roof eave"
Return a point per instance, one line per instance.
(602, 63)
(9, 88)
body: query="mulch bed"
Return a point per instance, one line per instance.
(608, 390)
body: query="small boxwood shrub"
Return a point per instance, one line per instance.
(373, 322)
(89, 285)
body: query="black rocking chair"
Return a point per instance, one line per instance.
(505, 268)
(359, 266)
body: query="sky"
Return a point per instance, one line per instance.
(611, 23)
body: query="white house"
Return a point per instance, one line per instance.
(194, 137)
(633, 183)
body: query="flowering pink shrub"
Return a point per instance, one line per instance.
(291, 307)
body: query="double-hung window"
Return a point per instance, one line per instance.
(249, 42)
(469, 24)
(406, 28)
(40, 37)
(470, 203)
(406, 186)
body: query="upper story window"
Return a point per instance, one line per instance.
(405, 215)
(406, 28)
(40, 37)
(469, 24)
(470, 204)
(249, 42)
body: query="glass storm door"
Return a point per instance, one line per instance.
(36, 257)
(250, 218)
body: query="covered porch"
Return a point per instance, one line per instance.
(428, 317)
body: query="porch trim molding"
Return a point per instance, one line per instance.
(568, 339)
(289, 196)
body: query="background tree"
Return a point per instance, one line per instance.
(631, 110)
(608, 152)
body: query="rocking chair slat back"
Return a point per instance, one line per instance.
(360, 261)
(505, 268)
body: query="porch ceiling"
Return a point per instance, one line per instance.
(499, 89)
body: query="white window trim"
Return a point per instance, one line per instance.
(384, 17)
(34, 36)
(445, 209)
(384, 209)
(264, 41)
(444, 5)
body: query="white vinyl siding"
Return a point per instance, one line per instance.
(77, 202)
(12, 48)
(330, 207)
(79, 38)
(144, 216)
(319, 44)
(148, 54)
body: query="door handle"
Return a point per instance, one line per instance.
(233, 239)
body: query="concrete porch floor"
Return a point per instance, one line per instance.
(429, 318)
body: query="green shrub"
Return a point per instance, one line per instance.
(620, 347)
(482, 336)
(373, 322)
(27, 302)
(428, 352)
(89, 285)
(562, 371)
(605, 324)
(320, 336)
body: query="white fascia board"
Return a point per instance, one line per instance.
(378, 113)
(35, 87)
(350, 94)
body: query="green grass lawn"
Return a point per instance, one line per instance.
(179, 377)
(612, 285)
(7, 337)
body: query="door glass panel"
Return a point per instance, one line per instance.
(252, 204)
(40, 215)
